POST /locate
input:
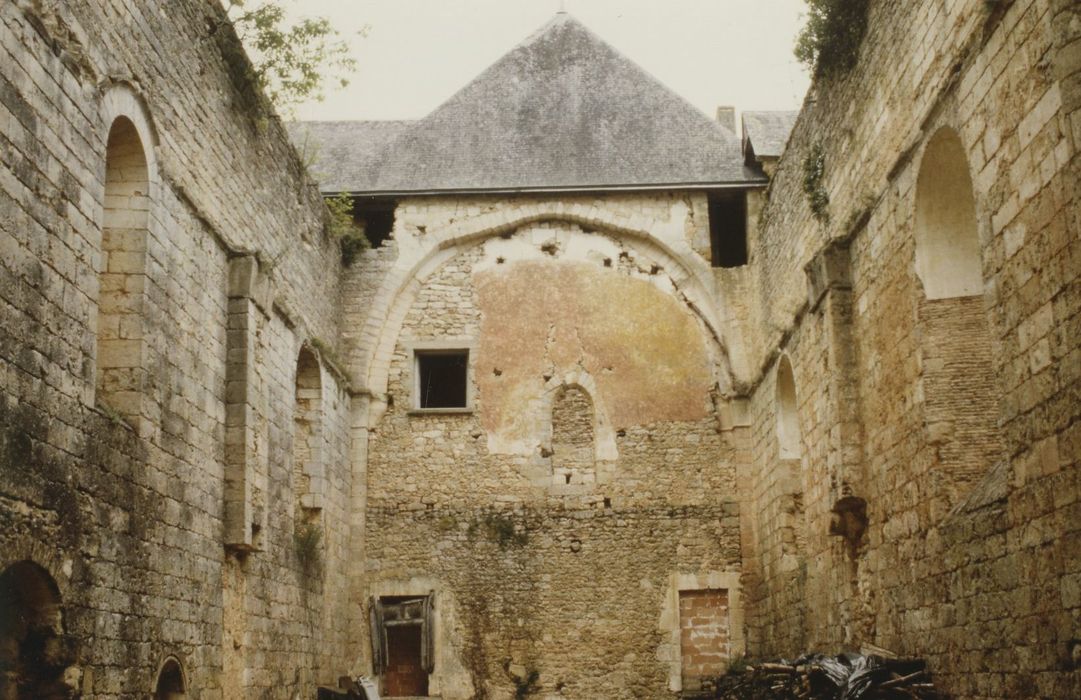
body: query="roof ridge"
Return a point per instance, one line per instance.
(571, 19)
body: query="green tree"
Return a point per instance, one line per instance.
(829, 43)
(293, 63)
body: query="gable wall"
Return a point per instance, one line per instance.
(542, 556)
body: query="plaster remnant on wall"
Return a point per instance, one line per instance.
(659, 366)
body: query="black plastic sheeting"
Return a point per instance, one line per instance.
(822, 677)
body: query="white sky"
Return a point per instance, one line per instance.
(420, 52)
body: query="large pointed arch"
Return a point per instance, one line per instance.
(690, 273)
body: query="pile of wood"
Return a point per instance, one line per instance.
(819, 677)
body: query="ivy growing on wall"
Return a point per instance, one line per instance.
(829, 42)
(814, 170)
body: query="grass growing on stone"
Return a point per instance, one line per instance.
(308, 540)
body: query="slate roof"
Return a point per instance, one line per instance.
(766, 133)
(561, 111)
(346, 153)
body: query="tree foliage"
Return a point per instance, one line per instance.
(293, 63)
(829, 43)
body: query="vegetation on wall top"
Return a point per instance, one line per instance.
(292, 63)
(343, 227)
(829, 43)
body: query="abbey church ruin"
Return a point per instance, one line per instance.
(620, 393)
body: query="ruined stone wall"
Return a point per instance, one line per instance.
(954, 419)
(590, 479)
(119, 491)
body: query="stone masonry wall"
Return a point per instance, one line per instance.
(968, 466)
(125, 508)
(553, 518)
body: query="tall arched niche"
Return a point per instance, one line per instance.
(788, 435)
(948, 260)
(122, 275)
(308, 472)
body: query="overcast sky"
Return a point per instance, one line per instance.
(417, 53)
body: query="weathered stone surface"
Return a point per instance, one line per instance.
(213, 454)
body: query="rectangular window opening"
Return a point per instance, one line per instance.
(728, 228)
(442, 379)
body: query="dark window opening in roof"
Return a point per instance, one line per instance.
(375, 217)
(728, 228)
(442, 379)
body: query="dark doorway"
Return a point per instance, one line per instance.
(34, 652)
(405, 674)
(170, 682)
(403, 643)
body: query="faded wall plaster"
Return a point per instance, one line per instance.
(644, 350)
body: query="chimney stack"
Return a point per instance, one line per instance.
(727, 118)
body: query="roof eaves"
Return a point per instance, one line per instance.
(752, 183)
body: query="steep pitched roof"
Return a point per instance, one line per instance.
(766, 133)
(345, 153)
(561, 111)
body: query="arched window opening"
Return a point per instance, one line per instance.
(788, 436)
(308, 434)
(573, 444)
(34, 653)
(122, 278)
(171, 685)
(947, 243)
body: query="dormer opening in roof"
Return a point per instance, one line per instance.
(764, 137)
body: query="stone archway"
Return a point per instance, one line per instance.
(34, 652)
(171, 684)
